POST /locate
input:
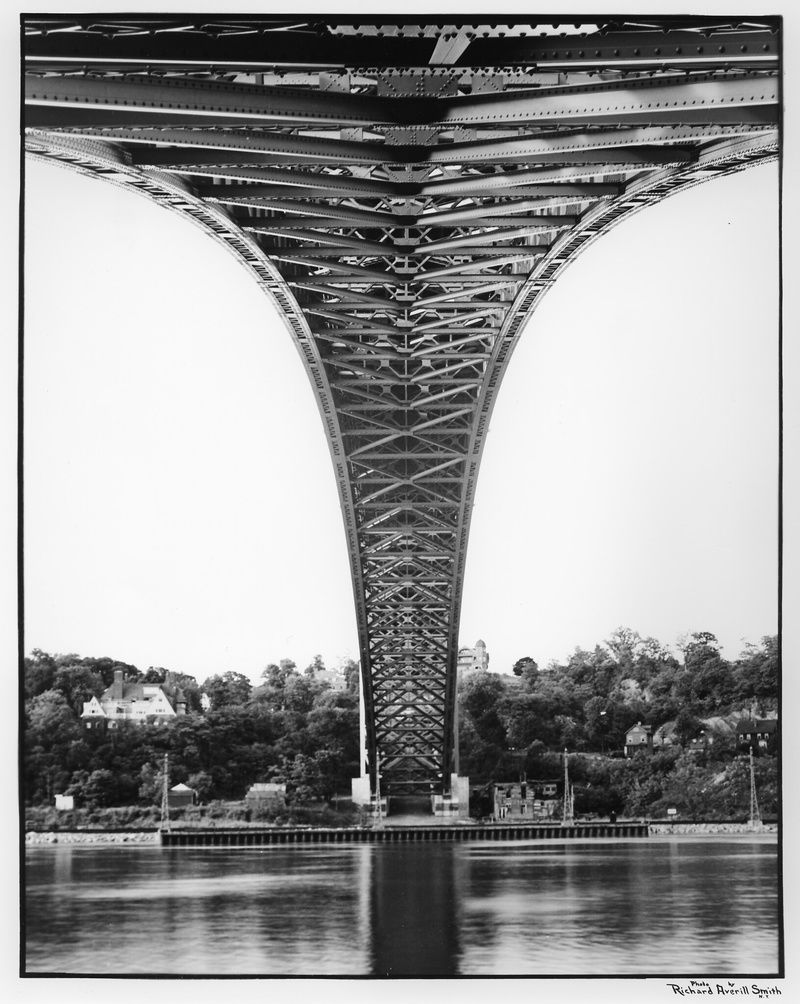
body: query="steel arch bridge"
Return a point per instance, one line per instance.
(406, 192)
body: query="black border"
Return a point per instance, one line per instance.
(367, 17)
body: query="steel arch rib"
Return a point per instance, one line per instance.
(407, 272)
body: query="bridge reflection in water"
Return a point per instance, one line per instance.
(657, 907)
(414, 909)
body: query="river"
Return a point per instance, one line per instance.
(657, 906)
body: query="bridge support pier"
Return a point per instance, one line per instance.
(454, 805)
(359, 790)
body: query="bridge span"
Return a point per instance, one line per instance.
(405, 192)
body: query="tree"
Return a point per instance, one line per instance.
(687, 726)
(756, 673)
(203, 784)
(624, 646)
(151, 783)
(78, 683)
(524, 664)
(316, 666)
(101, 789)
(228, 690)
(352, 675)
(54, 745)
(39, 672)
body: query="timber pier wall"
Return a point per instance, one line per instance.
(389, 834)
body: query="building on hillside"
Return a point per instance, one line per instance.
(333, 677)
(760, 733)
(522, 801)
(93, 715)
(664, 736)
(701, 742)
(473, 660)
(266, 796)
(181, 795)
(125, 701)
(639, 738)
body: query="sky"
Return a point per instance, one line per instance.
(181, 509)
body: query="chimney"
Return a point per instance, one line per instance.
(118, 685)
(180, 702)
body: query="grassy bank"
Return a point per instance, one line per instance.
(227, 814)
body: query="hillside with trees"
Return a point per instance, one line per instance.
(293, 727)
(521, 723)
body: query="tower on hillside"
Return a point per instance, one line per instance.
(473, 660)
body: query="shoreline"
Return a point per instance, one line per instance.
(340, 835)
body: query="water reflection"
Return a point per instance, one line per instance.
(654, 907)
(414, 914)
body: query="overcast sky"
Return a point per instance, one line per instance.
(181, 509)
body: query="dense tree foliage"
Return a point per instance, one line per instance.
(521, 722)
(293, 727)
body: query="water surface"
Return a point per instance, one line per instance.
(660, 906)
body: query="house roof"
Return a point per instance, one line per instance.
(181, 787)
(144, 692)
(757, 725)
(268, 788)
(638, 727)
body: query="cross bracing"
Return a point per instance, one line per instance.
(406, 192)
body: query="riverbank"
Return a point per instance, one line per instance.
(711, 828)
(92, 837)
(255, 836)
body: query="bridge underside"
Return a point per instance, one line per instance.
(406, 193)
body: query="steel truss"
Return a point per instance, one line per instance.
(406, 193)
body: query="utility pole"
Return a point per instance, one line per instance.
(567, 816)
(755, 815)
(164, 796)
(378, 782)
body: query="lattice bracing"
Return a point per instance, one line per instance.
(406, 193)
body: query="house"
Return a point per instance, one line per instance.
(700, 743)
(473, 660)
(93, 715)
(760, 733)
(180, 795)
(639, 737)
(266, 796)
(126, 701)
(526, 800)
(333, 677)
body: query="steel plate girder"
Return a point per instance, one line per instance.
(649, 101)
(405, 270)
(244, 45)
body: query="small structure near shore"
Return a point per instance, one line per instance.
(524, 801)
(267, 795)
(181, 795)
